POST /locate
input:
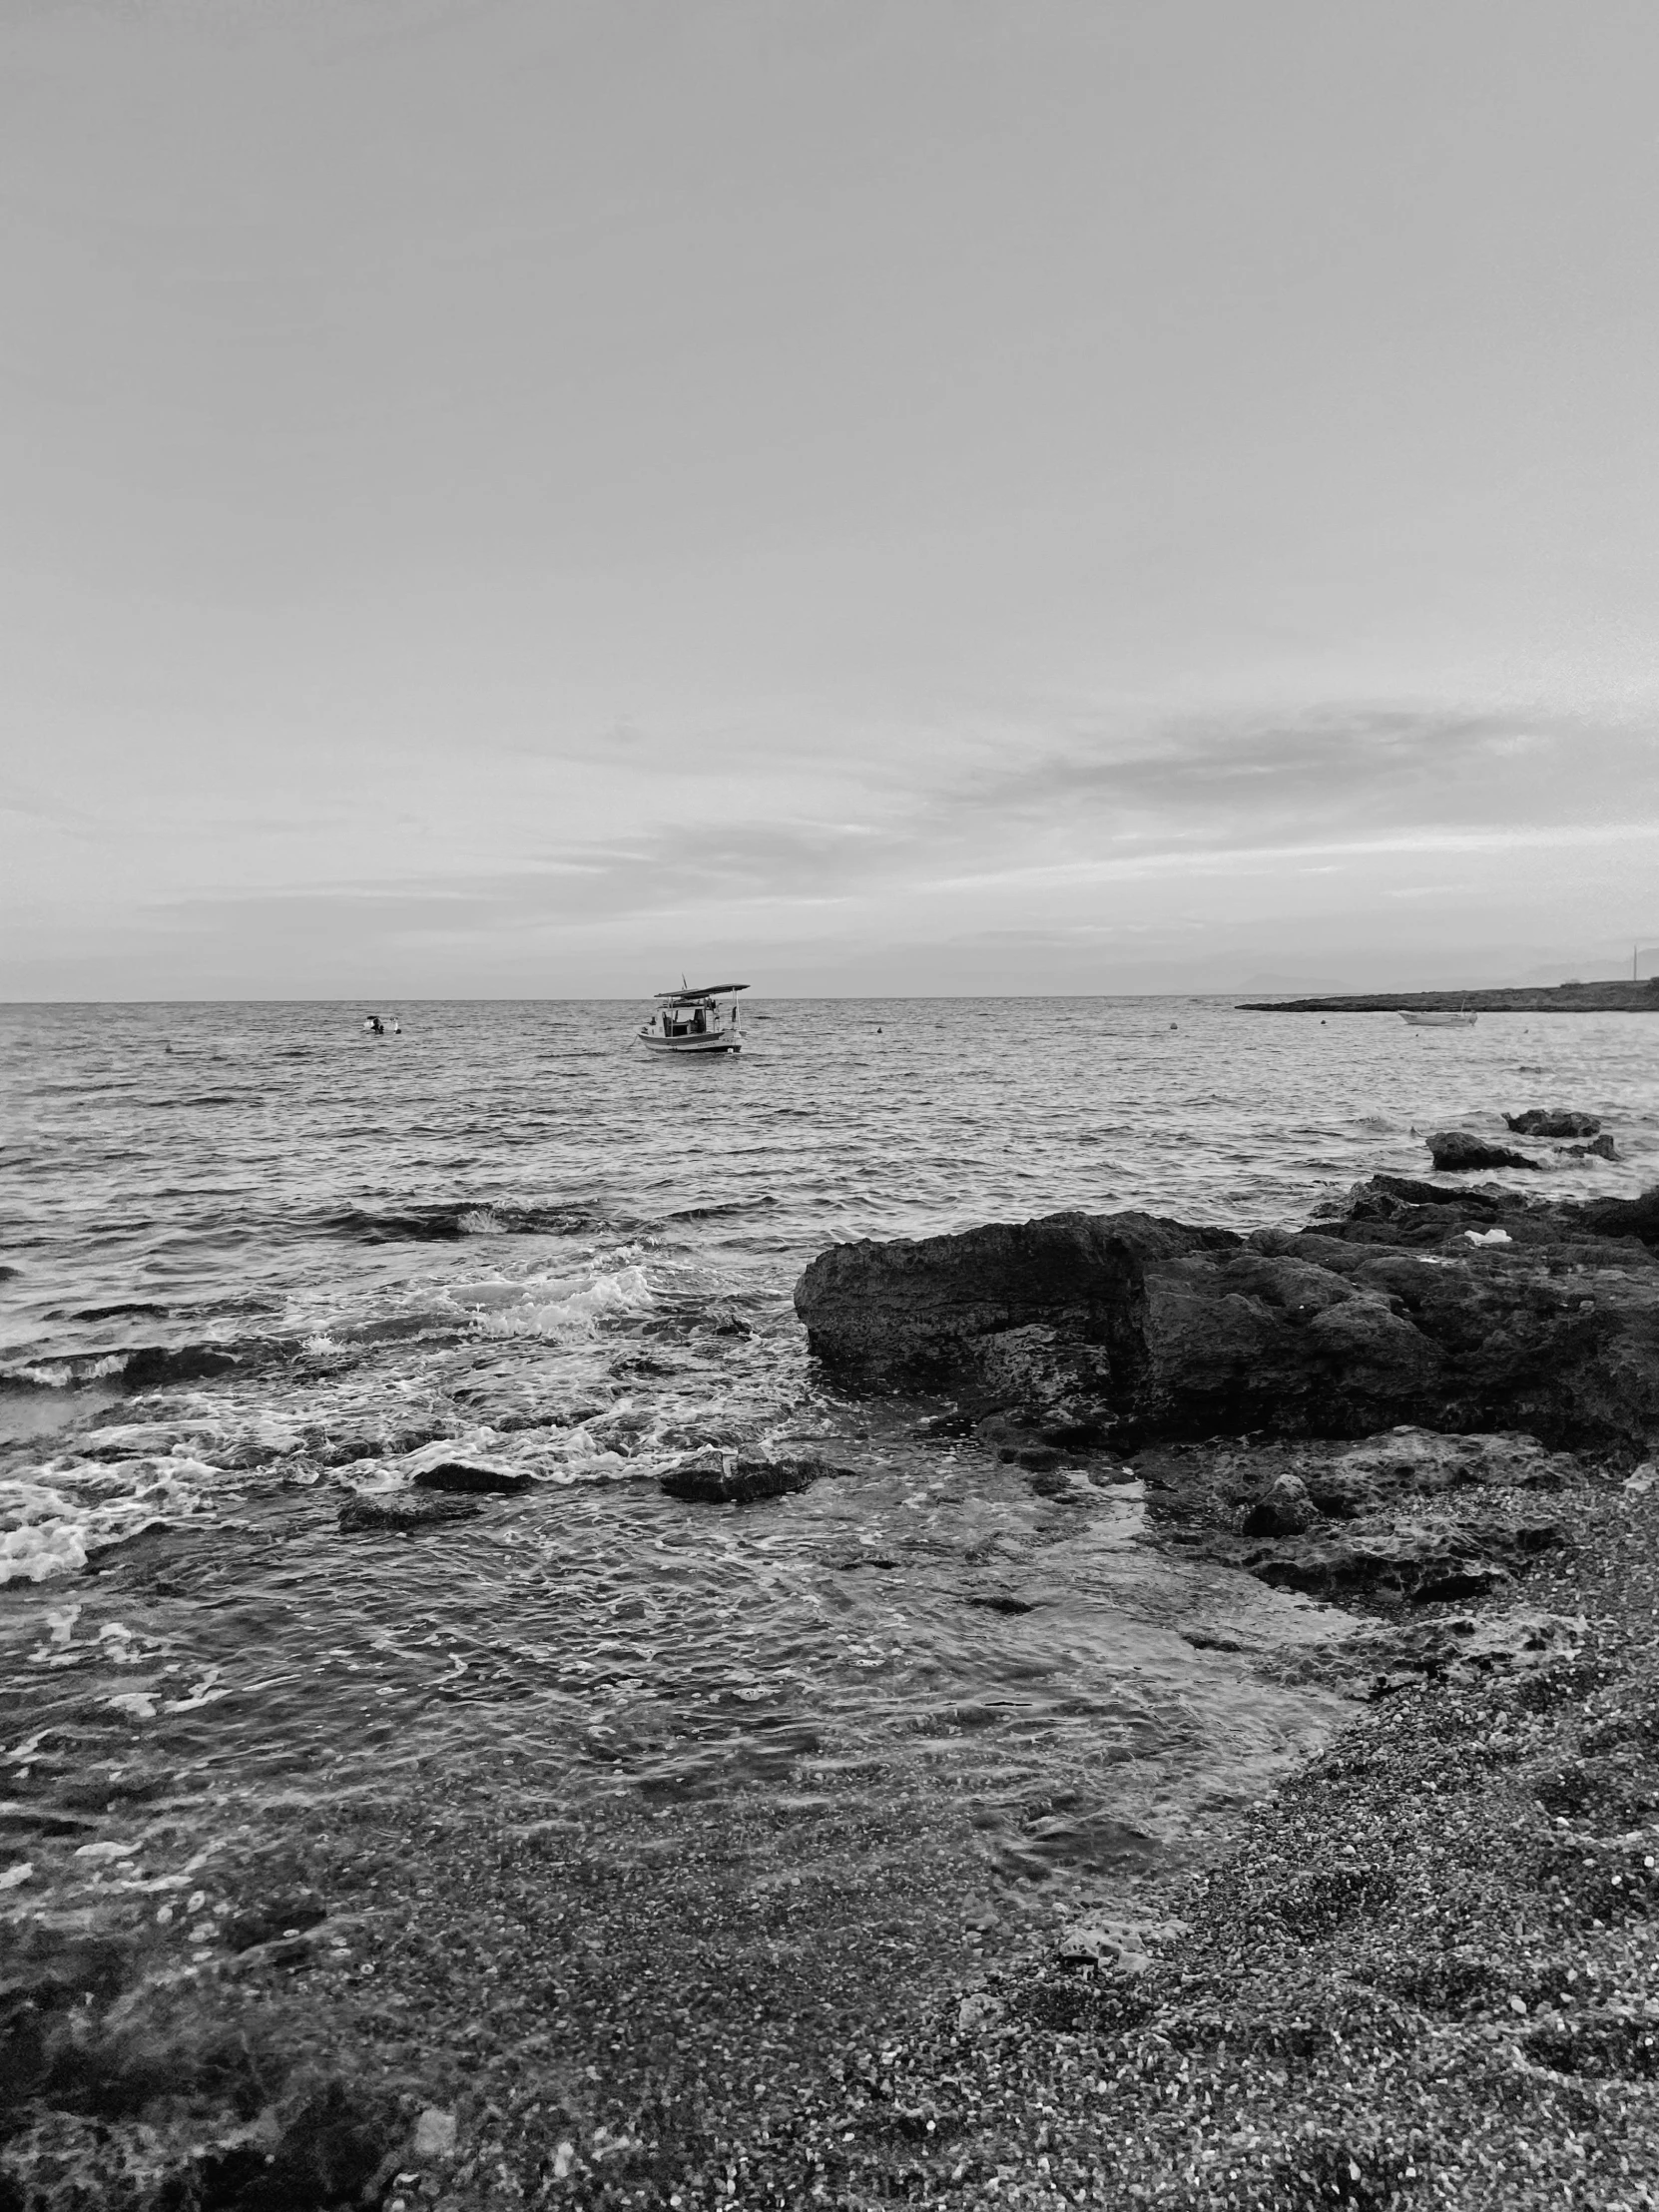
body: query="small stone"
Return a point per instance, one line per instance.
(1283, 1509)
(978, 2012)
(434, 2134)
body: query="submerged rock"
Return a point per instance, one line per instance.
(728, 1478)
(1547, 1121)
(398, 1511)
(1600, 1148)
(1454, 1151)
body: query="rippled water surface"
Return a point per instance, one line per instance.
(255, 1261)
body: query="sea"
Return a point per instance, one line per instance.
(255, 1261)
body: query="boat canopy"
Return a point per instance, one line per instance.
(687, 997)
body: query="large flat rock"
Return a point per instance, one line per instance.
(1459, 1310)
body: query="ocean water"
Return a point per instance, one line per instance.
(255, 1261)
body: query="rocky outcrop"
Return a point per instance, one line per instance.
(1402, 1518)
(1454, 1151)
(1456, 1309)
(1553, 1121)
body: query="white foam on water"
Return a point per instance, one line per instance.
(576, 1314)
(474, 1447)
(51, 1523)
(65, 1374)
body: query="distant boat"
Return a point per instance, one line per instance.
(694, 1020)
(1461, 1018)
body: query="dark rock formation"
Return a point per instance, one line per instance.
(1598, 1147)
(1402, 1518)
(469, 1479)
(1456, 1309)
(1456, 1151)
(728, 1478)
(1414, 1560)
(1553, 1121)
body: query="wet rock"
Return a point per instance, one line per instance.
(1121, 1328)
(395, 1512)
(730, 1478)
(470, 1479)
(1417, 1463)
(1410, 1564)
(1285, 1509)
(1600, 1148)
(1454, 1151)
(1618, 1217)
(1547, 1121)
(152, 1365)
(1040, 1458)
(1465, 1649)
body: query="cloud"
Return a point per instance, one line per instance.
(1219, 778)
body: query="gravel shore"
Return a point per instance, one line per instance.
(1421, 1975)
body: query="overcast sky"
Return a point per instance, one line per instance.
(519, 497)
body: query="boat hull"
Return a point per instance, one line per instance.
(1440, 1022)
(683, 1045)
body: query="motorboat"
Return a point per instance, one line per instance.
(696, 1020)
(1453, 1018)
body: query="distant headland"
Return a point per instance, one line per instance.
(1559, 998)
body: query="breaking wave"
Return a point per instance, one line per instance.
(51, 1523)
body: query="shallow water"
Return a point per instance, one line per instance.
(255, 1260)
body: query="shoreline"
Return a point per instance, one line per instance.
(1419, 1971)
(1555, 998)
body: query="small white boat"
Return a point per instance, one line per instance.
(1461, 1018)
(689, 1020)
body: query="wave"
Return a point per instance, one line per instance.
(442, 1222)
(575, 1314)
(721, 1207)
(62, 1375)
(141, 1366)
